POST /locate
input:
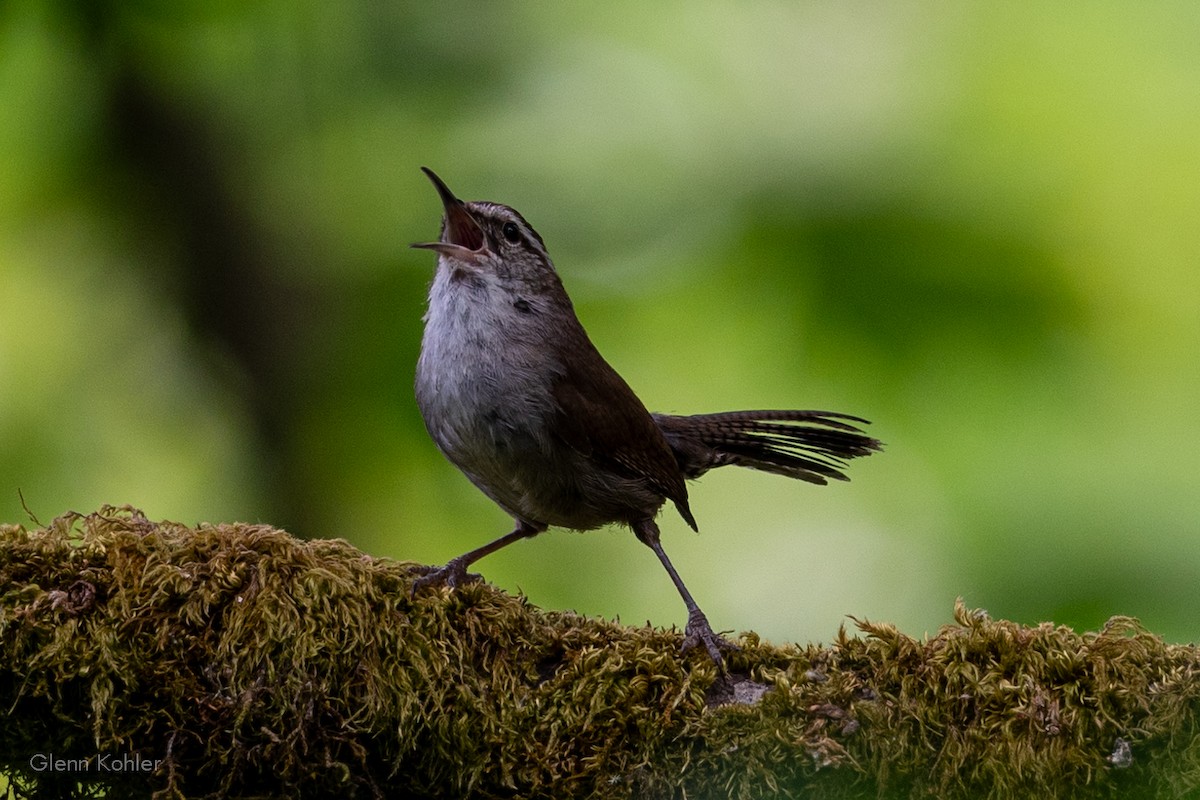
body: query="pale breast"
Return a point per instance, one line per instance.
(483, 387)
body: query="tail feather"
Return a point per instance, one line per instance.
(811, 446)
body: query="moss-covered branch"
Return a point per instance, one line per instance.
(236, 660)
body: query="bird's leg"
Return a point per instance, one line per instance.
(698, 631)
(455, 571)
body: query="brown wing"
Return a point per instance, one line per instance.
(600, 417)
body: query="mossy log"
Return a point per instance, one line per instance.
(145, 657)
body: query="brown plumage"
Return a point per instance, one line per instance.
(812, 446)
(515, 394)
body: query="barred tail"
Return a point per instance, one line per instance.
(812, 446)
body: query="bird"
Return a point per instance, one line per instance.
(516, 396)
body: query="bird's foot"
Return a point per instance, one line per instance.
(699, 632)
(452, 575)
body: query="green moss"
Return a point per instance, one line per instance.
(250, 663)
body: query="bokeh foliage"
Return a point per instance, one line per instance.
(975, 226)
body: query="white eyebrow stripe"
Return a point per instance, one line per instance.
(488, 211)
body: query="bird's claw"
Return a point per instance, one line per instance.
(452, 575)
(699, 632)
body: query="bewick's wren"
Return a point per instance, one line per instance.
(515, 394)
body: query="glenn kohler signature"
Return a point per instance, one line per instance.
(95, 763)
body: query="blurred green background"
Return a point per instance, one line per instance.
(974, 225)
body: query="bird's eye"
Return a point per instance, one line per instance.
(511, 232)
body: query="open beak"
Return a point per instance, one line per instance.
(461, 235)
